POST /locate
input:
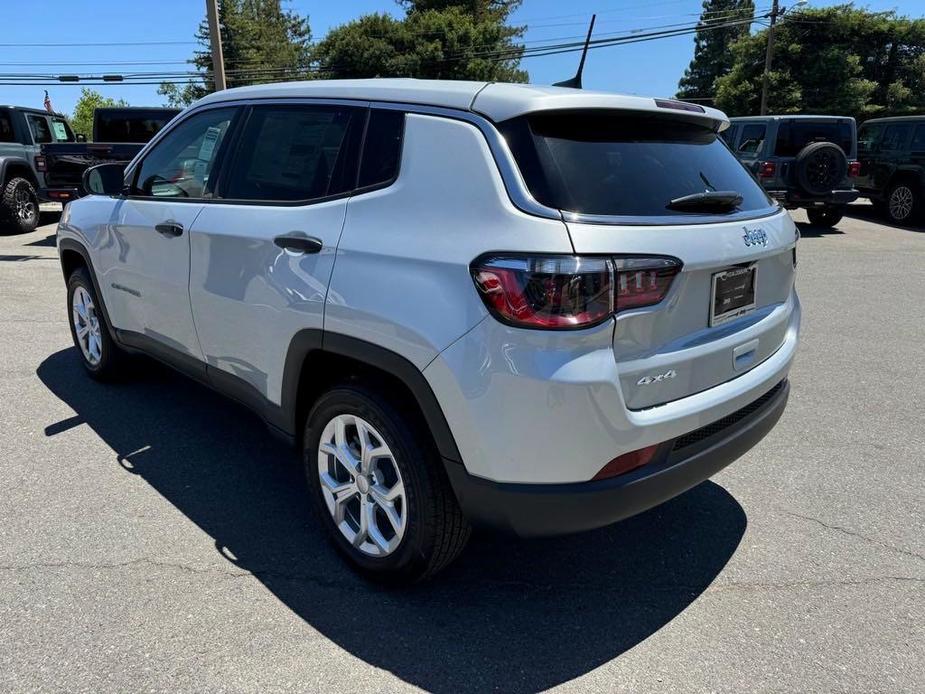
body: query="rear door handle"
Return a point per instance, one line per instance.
(299, 243)
(170, 229)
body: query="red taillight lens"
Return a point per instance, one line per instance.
(627, 461)
(39, 163)
(854, 169)
(767, 169)
(555, 292)
(643, 281)
(567, 292)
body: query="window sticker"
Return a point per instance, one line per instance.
(60, 130)
(209, 140)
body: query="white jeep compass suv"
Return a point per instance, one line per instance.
(530, 308)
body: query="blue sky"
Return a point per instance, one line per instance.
(650, 68)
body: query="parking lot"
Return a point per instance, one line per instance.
(153, 537)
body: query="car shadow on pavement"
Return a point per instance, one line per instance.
(513, 615)
(867, 213)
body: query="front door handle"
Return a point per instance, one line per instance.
(299, 243)
(170, 229)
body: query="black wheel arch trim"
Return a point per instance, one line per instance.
(6, 161)
(77, 247)
(309, 340)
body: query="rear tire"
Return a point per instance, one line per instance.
(19, 207)
(413, 525)
(824, 216)
(100, 356)
(904, 202)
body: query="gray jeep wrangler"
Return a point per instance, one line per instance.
(802, 161)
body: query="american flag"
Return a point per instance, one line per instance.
(48, 103)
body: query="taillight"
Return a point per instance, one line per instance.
(643, 281)
(767, 169)
(854, 169)
(569, 292)
(39, 163)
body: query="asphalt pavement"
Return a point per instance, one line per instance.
(153, 537)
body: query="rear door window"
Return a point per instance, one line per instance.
(869, 136)
(289, 153)
(752, 140)
(41, 133)
(599, 162)
(794, 135)
(896, 135)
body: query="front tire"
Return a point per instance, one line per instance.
(100, 356)
(824, 216)
(378, 486)
(19, 207)
(904, 202)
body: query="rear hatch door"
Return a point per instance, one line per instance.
(641, 185)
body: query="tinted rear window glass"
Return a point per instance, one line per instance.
(288, 153)
(792, 136)
(129, 126)
(382, 148)
(596, 162)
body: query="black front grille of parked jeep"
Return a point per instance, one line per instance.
(719, 425)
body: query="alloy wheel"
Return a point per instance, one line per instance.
(362, 485)
(87, 326)
(24, 205)
(901, 202)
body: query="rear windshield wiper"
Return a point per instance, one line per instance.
(718, 200)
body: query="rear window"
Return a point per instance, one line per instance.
(792, 136)
(129, 126)
(596, 162)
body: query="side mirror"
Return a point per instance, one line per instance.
(104, 179)
(80, 137)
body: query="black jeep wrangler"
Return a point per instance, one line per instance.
(802, 161)
(892, 156)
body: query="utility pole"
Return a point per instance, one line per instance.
(768, 57)
(215, 36)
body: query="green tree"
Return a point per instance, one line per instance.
(89, 101)
(261, 42)
(833, 60)
(439, 39)
(712, 57)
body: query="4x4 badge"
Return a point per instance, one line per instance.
(755, 237)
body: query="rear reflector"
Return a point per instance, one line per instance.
(627, 461)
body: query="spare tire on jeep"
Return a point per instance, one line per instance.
(820, 167)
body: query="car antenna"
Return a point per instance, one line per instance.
(575, 82)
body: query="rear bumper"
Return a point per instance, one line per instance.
(794, 198)
(58, 194)
(537, 510)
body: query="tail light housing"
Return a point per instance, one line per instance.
(39, 162)
(767, 169)
(854, 169)
(568, 292)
